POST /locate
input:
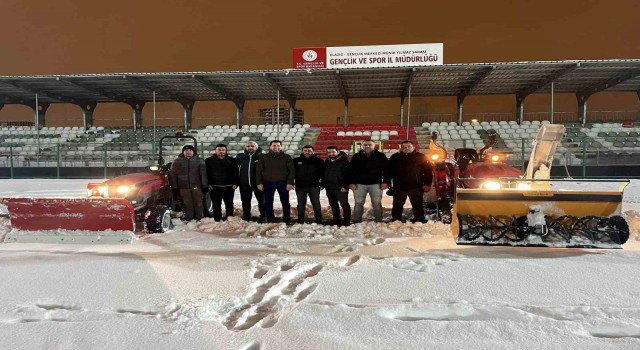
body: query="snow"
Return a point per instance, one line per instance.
(237, 285)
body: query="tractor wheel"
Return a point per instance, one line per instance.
(158, 219)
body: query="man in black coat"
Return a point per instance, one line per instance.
(368, 175)
(248, 186)
(411, 174)
(223, 173)
(188, 174)
(336, 185)
(308, 182)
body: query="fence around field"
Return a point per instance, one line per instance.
(109, 157)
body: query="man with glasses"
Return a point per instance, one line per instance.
(368, 175)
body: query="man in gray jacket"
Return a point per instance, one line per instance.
(189, 174)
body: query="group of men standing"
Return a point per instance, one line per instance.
(408, 173)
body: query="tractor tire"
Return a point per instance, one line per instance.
(158, 219)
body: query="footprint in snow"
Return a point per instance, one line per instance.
(254, 345)
(375, 241)
(286, 282)
(350, 260)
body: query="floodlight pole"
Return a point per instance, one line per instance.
(551, 117)
(409, 112)
(345, 121)
(278, 117)
(402, 111)
(154, 122)
(37, 124)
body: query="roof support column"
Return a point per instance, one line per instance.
(582, 107)
(188, 114)
(346, 113)
(520, 107)
(87, 113)
(460, 102)
(292, 109)
(239, 113)
(137, 114)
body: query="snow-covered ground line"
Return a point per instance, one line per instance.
(237, 285)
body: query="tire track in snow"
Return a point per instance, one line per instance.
(599, 322)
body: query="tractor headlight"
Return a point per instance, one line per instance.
(154, 168)
(123, 190)
(103, 191)
(523, 186)
(491, 185)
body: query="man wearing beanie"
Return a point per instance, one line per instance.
(188, 173)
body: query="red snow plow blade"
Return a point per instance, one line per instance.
(87, 214)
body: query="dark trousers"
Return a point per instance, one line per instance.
(246, 193)
(193, 206)
(415, 197)
(219, 194)
(339, 199)
(270, 189)
(314, 196)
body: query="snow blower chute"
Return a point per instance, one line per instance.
(535, 210)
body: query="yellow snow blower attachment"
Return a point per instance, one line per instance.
(536, 210)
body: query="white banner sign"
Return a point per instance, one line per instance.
(384, 56)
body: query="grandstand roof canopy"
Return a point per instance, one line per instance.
(524, 78)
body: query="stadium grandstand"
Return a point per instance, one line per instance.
(593, 139)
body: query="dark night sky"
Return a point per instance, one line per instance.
(78, 36)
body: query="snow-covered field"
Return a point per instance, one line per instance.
(237, 285)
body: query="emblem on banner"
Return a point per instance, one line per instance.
(309, 55)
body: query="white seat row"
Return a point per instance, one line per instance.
(367, 133)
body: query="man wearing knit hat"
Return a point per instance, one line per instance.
(188, 173)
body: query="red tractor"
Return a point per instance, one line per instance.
(116, 204)
(469, 168)
(154, 202)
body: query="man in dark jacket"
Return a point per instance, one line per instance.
(411, 174)
(223, 173)
(308, 181)
(336, 184)
(248, 161)
(188, 173)
(368, 174)
(275, 172)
